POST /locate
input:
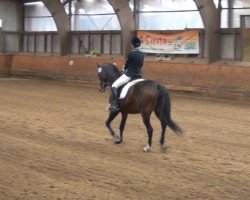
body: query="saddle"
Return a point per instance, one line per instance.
(122, 91)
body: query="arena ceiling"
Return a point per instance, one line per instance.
(29, 1)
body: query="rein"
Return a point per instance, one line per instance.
(104, 83)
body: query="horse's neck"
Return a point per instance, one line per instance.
(113, 75)
(114, 78)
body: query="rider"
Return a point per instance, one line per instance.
(132, 70)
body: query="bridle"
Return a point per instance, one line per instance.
(103, 86)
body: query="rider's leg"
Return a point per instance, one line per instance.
(114, 104)
(114, 89)
(121, 81)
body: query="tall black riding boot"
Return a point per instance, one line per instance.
(114, 106)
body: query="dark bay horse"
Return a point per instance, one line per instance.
(142, 98)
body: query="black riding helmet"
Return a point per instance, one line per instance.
(136, 42)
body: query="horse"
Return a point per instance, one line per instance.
(142, 98)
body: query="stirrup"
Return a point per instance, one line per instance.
(112, 108)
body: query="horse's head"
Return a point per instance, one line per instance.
(107, 74)
(102, 78)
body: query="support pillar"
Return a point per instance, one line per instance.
(211, 21)
(62, 23)
(127, 22)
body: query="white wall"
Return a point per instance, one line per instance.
(10, 13)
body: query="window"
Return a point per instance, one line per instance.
(168, 15)
(245, 21)
(38, 18)
(231, 12)
(92, 15)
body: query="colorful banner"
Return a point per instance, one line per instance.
(186, 42)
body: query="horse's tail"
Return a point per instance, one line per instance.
(163, 110)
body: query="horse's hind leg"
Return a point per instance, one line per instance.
(112, 116)
(163, 128)
(146, 121)
(163, 133)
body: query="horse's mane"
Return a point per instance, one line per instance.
(112, 70)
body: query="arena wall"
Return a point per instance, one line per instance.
(5, 65)
(218, 79)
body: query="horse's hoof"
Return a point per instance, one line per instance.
(118, 142)
(147, 148)
(164, 148)
(116, 139)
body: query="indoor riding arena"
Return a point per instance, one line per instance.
(55, 143)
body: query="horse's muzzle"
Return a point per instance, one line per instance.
(102, 87)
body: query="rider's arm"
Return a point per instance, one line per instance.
(128, 60)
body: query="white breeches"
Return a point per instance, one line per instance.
(121, 81)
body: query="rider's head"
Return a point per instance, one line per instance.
(136, 42)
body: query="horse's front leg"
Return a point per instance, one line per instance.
(112, 116)
(122, 126)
